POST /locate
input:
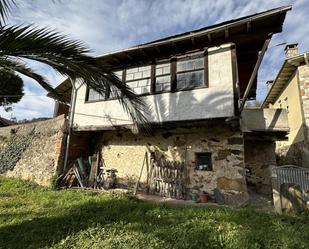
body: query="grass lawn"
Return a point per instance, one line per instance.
(35, 217)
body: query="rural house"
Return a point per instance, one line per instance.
(290, 91)
(5, 122)
(196, 85)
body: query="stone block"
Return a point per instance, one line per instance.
(291, 198)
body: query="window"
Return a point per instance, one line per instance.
(114, 92)
(163, 77)
(190, 72)
(138, 79)
(93, 95)
(203, 161)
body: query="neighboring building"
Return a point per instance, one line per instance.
(290, 91)
(5, 122)
(193, 83)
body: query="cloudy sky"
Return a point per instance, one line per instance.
(108, 25)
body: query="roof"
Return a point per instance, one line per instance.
(286, 72)
(5, 122)
(248, 33)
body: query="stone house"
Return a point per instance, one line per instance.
(195, 85)
(290, 91)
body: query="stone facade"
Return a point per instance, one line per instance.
(259, 157)
(125, 152)
(303, 75)
(42, 157)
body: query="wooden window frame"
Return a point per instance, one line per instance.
(154, 76)
(205, 84)
(150, 78)
(173, 73)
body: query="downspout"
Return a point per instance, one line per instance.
(254, 73)
(71, 121)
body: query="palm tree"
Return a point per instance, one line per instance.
(68, 57)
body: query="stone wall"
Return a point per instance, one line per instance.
(303, 74)
(37, 148)
(125, 152)
(259, 157)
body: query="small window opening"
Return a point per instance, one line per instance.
(203, 161)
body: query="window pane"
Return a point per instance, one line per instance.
(163, 83)
(163, 69)
(138, 79)
(190, 64)
(94, 95)
(163, 77)
(190, 79)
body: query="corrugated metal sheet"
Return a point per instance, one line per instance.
(292, 174)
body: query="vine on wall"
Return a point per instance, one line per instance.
(12, 153)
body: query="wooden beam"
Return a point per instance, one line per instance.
(157, 49)
(248, 27)
(254, 73)
(209, 37)
(129, 56)
(226, 33)
(193, 41)
(144, 53)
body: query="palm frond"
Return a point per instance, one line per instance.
(16, 66)
(5, 9)
(70, 59)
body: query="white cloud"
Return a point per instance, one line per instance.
(114, 24)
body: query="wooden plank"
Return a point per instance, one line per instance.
(81, 166)
(94, 170)
(76, 172)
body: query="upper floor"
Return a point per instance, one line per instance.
(194, 76)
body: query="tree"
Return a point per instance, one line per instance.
(11, 88)
(68, 57)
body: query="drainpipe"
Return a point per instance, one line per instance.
(254, 73)
(71, 121)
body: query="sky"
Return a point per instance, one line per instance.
(108, 25)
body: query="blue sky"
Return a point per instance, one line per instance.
(108, 25)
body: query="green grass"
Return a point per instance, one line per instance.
(35, 217)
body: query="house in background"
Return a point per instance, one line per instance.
(5, 122)
(290, 91)
(195, 84)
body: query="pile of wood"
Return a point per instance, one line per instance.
(167, 178)
(83, 173)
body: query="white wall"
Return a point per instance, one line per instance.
(213, 102)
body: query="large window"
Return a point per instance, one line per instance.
(138, 79)
(190, 72)
(181, 73)
(93, 95)
(163, 77)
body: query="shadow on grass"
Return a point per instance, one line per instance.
(181, 226)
